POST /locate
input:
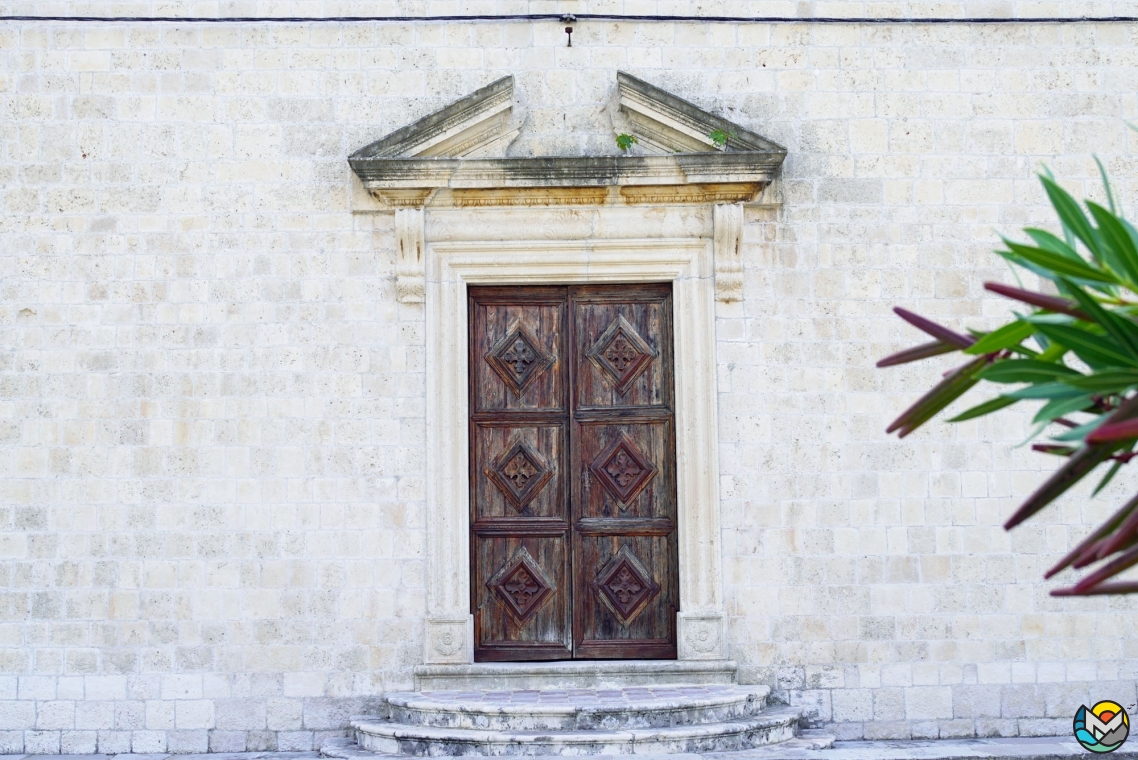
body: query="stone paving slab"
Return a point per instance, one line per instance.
(1024, 748)
(1020, 748)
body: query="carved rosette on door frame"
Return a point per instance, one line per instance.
(572, 475)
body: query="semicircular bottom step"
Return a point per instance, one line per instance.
(767, 727)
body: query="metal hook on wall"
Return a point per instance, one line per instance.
(569, 18)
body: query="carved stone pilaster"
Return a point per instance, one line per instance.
(728, 222)
(449, 639)
(409, 267)
(702, 636)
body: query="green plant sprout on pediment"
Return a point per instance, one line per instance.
(625, 141)
(720, 137)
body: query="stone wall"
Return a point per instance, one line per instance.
(211, 405)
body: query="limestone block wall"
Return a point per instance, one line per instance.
(212, 406)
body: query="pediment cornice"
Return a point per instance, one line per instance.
(457, 156)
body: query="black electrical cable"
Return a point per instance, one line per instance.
(580, 17)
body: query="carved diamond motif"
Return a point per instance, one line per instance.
(519, 474)
(621, 354)
(623, 470)
(625, 586)
(521, 586)
(519, 357)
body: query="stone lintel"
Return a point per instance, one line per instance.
(700, 192)
(691, 178)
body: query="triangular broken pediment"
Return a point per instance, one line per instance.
(458, 156)
(476, 125)
(668, 124)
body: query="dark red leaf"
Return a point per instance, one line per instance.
(1122, 562)
(1052, 448)
(1100, 590)
(941, 395)
(1081, 462)
(916, 353)
(1127, 533)
(940, 332)
(1113, 432)
(1050, 303)
(1072, 471)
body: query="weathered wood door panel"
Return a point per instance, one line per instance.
(573, 492)
(520, 549)
(625, 589)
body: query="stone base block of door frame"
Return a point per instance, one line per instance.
(702, 635)
(449, 639)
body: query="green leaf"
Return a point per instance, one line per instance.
(1080, 432)
(1073, 217)
(720, 137)
(1106, 478)
(1058, 407)
(625, 141)
(1009, 335)
(1049, 242)
(1095, 350)
(999, 402)
(1115, 237)
(1060, 265)
(1123, 329)
(1130, 231)
(1111, 381)
(1019, 261)
(1026, 371)
(1046, 390)
(1106, 186)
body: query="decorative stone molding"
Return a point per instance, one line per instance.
(728, 222)
(604, 256)
(702, 636)
(449, 639)
(409, 264)
(456, 157)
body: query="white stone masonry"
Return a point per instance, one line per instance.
(213, 399)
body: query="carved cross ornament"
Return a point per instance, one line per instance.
(521, 586)
(457, 157)
(519, 357)
(520, 474)
(623, 469)
(625, 586)
(621, 354)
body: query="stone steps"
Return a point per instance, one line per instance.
(768, 727)
(577, 709)
(652, 719)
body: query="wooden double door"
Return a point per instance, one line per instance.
(572, 473)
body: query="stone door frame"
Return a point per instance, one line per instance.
(689, 264)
